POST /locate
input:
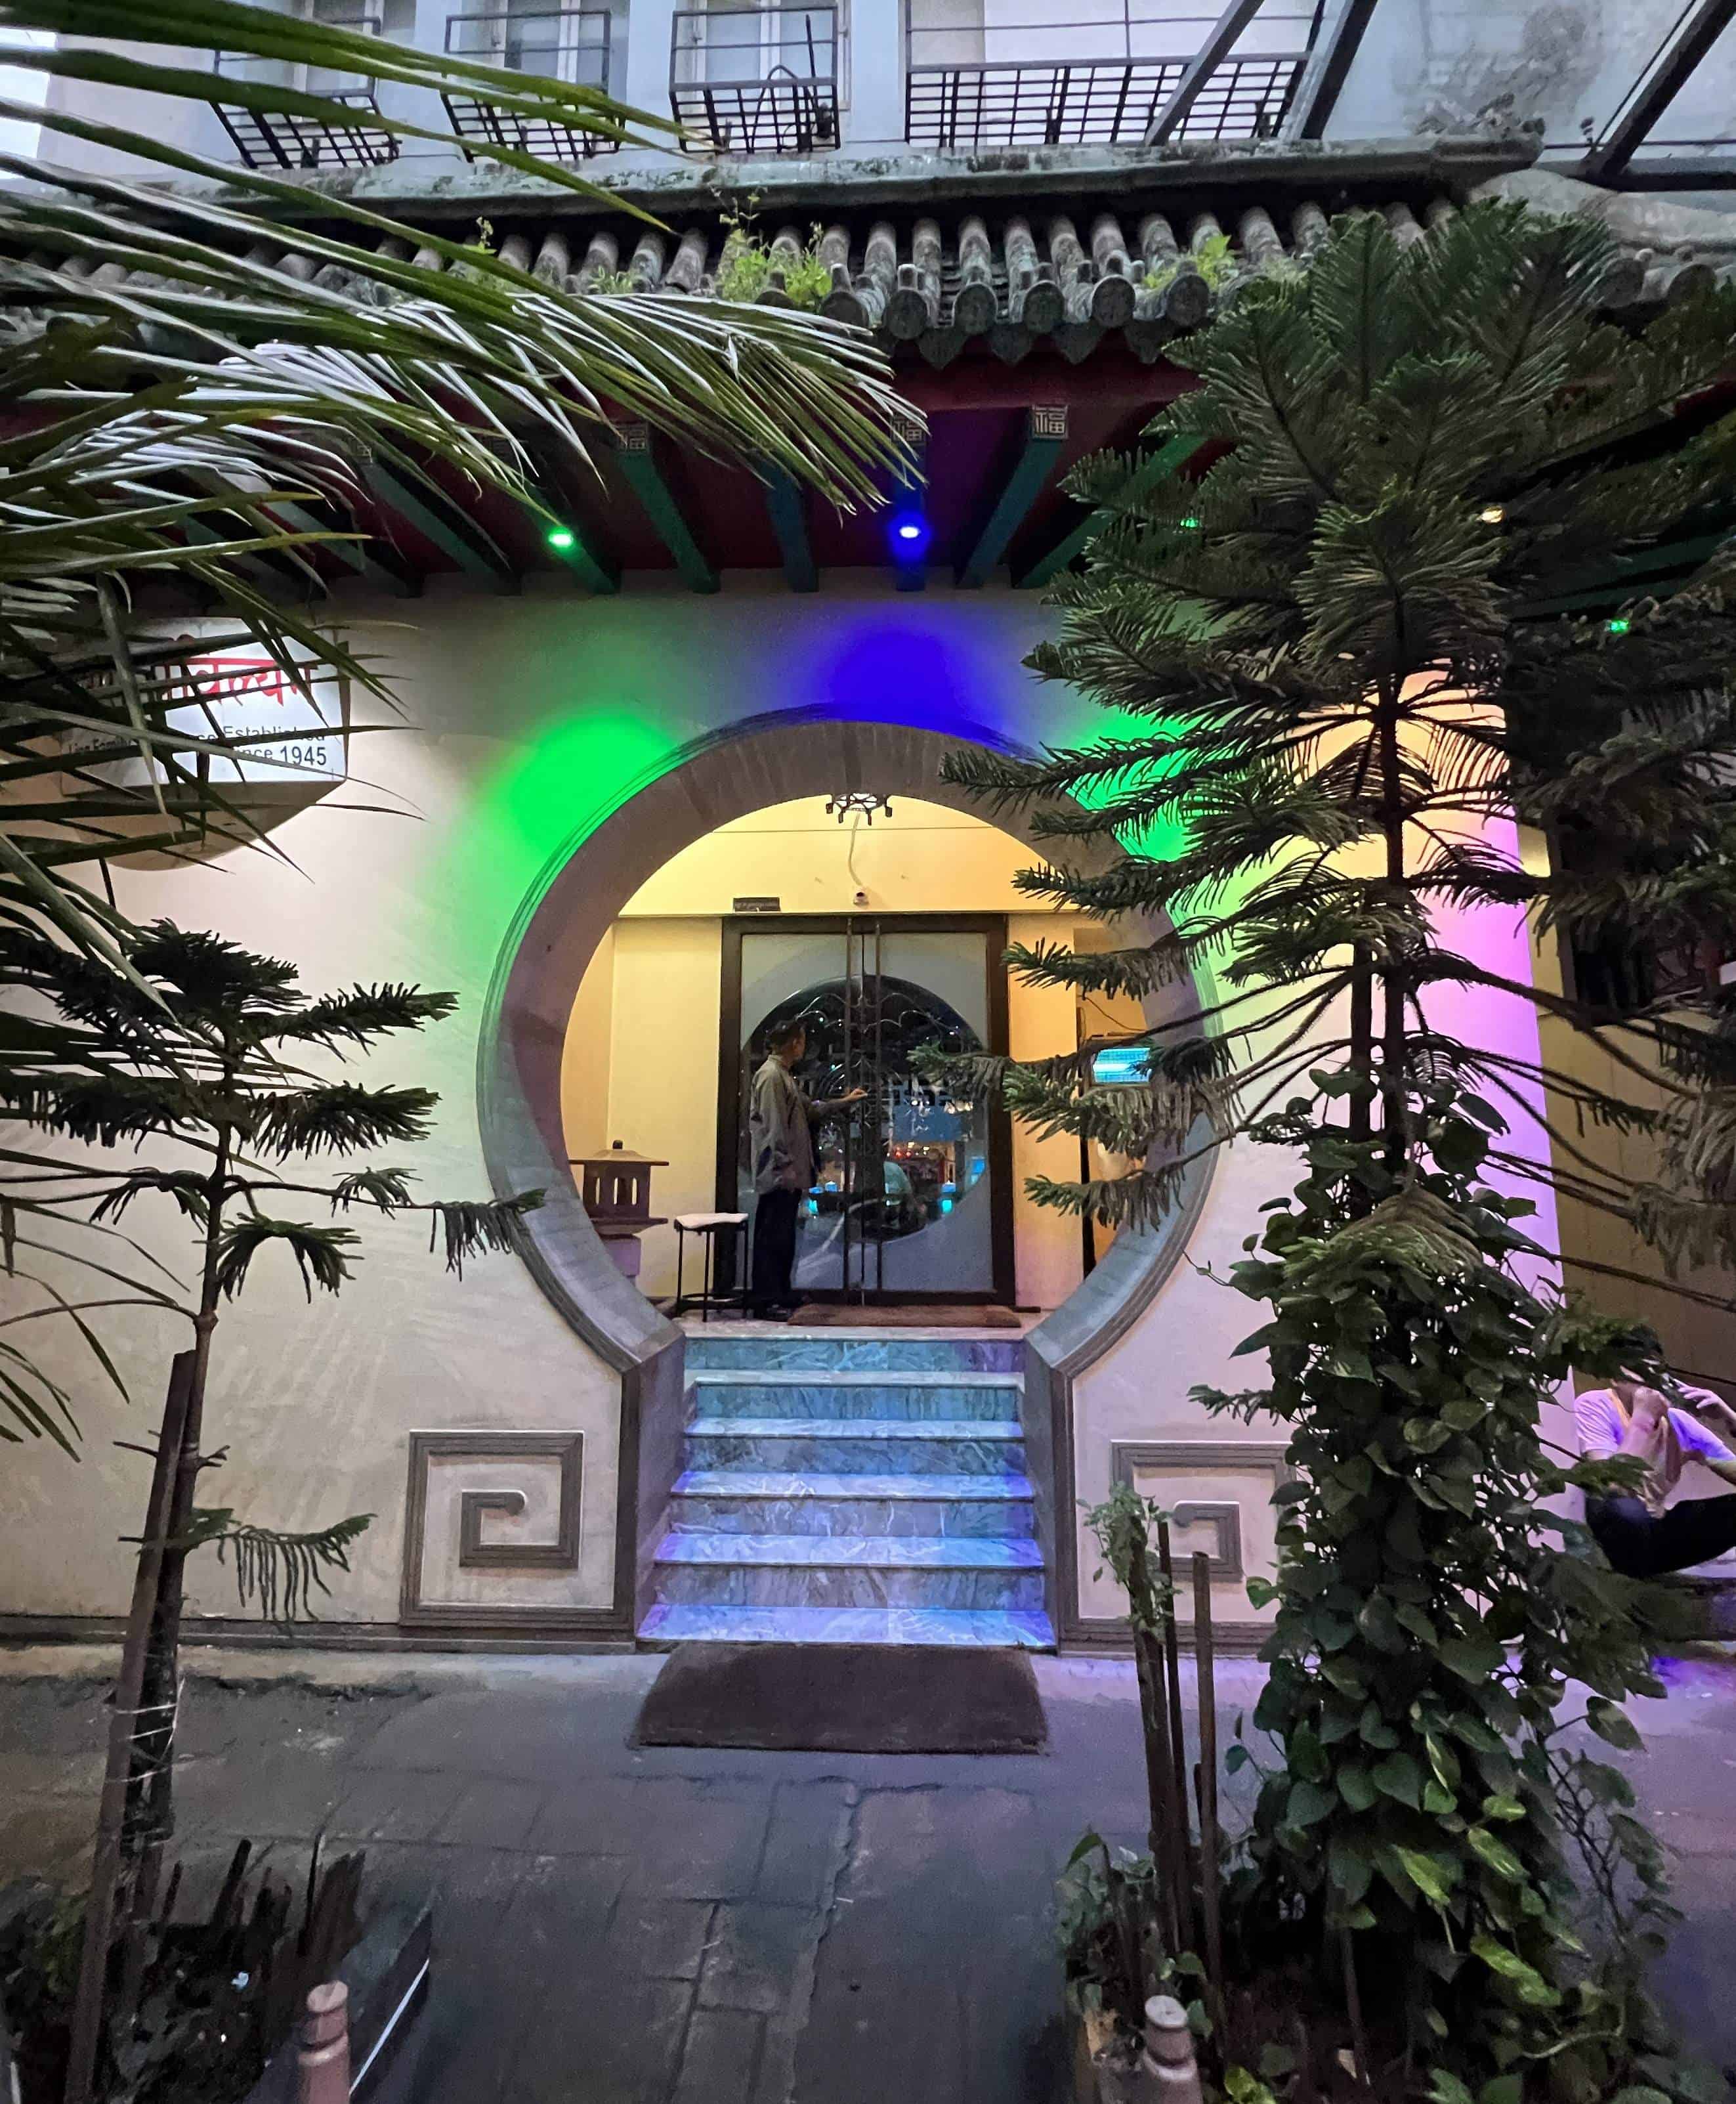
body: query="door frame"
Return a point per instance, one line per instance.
(1001, 1291)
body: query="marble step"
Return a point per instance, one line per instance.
(785, 1393)
(673, 1622)
(863, 1571)
(855, 1446)
(740, 1502)
(837, 1351)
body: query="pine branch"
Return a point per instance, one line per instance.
(282, 1571)
(322, 1255)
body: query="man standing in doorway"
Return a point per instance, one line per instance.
(782, 1149)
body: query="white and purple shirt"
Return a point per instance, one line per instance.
(1603, 1423)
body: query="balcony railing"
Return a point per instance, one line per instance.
(1006, 84)
(268, 139)
(567, 44)
(757, 80)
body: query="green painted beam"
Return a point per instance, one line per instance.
(1045, 437)
(788, 512)
(371, 561)
(276, 574)
(1601, 587)
(473, 549)
(640, 469)
(569, 544)
(1172, 454)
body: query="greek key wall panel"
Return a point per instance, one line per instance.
(491, 1529)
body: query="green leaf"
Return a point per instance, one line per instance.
(1504, 2089)
(1433, 1876)
(1399, 1776)
(1613, 1724)
(1309, 1803)
(1356, 1786)
(1533, 1989)
(1501, 1806)
(1496, 1854)
(1472, 1658)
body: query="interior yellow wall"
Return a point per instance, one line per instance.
(924, 859)
(642, 1045)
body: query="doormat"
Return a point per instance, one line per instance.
(907, 1315)
(844, 1699)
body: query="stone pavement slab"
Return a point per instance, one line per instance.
(623, 1925)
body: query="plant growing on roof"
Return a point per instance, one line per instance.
(1344, 662)
(198, 1057)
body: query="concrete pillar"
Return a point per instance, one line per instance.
(644, 83)
(875, 116)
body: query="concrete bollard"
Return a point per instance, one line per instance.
(1167, 2064)
(322, 2063)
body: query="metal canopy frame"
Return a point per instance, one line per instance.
(1697, 29)
(275, 138)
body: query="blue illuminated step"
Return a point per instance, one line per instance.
(846, 1446)
(742, 1501)
(673, 1623)
(848, 1351)
(870, 1570)
(783, 1393)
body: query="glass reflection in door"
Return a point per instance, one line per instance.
(909, 1192)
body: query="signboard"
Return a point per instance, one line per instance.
(239, 691)
(1122, 1065)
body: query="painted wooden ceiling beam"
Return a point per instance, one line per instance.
(475, 550)
(1045, 440)
(643, 476)
(1172, 454)
(787, 509)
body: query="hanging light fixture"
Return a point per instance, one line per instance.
(865, 801)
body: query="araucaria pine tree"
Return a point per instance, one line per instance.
(1353, 678)
(198, 1064)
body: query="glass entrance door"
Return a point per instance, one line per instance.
(911, 1198)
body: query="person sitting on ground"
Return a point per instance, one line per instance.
(1643, 1534)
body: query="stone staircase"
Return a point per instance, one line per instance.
(845, 1486)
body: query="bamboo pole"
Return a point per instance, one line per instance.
(1206, 1773)
(1153, 1706)
(1178, 1735)
(105, 1865)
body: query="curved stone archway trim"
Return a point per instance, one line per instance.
(769, 760)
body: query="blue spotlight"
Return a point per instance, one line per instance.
(909, 533)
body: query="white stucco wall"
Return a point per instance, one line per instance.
(524, 723)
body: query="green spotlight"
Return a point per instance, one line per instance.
(561, 538)
(1190, 524)
(1619, 627)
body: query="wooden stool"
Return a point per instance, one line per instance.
(709, 1226)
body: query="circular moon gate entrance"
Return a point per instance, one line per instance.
(536, 978)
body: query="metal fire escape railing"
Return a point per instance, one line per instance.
(757, 80)
(267, 139)
(568, 44)
(1100, 82)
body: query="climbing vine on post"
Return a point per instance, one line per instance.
(1350, 665)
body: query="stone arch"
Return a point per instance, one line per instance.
(769, 759)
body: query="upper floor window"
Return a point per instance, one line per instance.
(759, 80)
(1061, 73)
(572, 45)
(272, 138)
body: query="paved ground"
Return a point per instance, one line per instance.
(665, 1927)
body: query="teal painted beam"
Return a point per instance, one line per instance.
(1601, 587)
(1172, 454)
(788, 512)
(1045, 437)
(367, 559)
(571, 545)
(473, 549)
(640, 469)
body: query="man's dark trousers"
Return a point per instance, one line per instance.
(774, 1248)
